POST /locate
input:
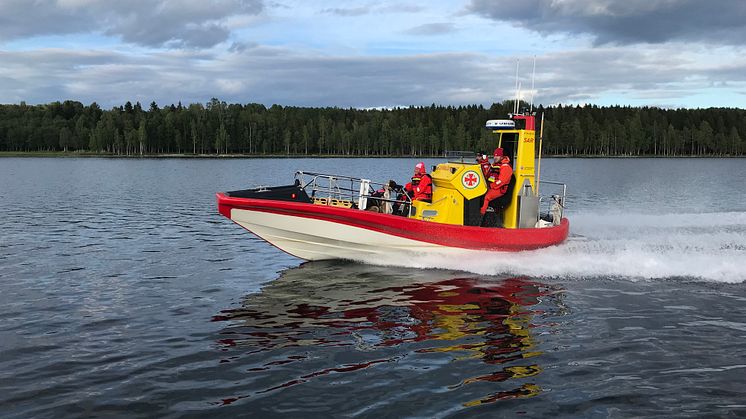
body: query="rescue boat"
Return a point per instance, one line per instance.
(324, 216)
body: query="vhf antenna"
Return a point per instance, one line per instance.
(515, 105)
(533, 78)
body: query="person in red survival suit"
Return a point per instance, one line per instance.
(421, 186)
(499, 178)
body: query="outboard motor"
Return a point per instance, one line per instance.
(556, 210)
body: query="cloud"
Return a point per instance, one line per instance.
(254, 73)
(352, 11)
(429, 29)
(242, 46)
(280, 76)
(654, 75)
(401, 8)
(19, 19)
(371, 9)
(625, 22)
(152, 23)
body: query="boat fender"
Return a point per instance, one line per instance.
(362, 201)
(388, 207)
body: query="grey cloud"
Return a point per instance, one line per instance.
(378, 8)
(651, 75)
(19, 19)
(354, 11)
(655, 75)
(432, 29)
(191, 23)
(189, 36)
(44, 76)
(401, 8)
(360, 81)
(625, 22)
(239, 47)
(172, 23)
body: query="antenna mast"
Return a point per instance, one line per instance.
(533, 78)
(515, 105)
(537, 180)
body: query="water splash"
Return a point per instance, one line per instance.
(703, 246)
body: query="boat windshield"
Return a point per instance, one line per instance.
(453, 156)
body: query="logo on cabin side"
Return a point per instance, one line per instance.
(470, 179)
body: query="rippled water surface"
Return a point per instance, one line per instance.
(124, 293)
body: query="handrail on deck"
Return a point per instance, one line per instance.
(557, 203)
(336, 187)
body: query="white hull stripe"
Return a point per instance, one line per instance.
(313, 239)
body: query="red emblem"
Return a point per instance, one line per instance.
(470, 179)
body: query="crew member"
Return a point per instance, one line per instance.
(499, 178)
(421, 186)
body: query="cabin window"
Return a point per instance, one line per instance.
(508, 143)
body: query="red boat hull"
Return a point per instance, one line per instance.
(286, 221)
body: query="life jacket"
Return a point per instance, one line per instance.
(494, 172)
(504, 175)
(501, 172)
(423, 189)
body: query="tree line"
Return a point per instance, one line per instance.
(220, 128)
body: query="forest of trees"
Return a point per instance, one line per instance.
(220, 128)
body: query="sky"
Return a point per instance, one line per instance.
(370, 54)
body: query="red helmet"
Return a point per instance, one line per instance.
(419, 168)
(498, 152)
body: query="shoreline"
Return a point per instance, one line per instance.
(62, 154)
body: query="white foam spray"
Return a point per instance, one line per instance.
(703, 246)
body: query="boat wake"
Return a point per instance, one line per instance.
(706, 246)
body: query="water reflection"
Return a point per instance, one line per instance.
(382, 319)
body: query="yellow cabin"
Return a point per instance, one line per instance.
(459, 186)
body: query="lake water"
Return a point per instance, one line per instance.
(124, 293)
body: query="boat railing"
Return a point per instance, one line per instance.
(348, 191)
(554, 203)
